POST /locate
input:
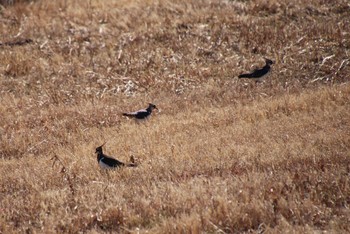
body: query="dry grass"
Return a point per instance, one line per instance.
(222, 155)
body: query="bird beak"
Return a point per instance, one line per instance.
(154, 106)
(266, 59)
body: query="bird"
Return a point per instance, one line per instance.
(258, 74)
(141, 114)
(107, 162)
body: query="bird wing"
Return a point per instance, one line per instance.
(141, 114)
(135, 113)
(252, 74)
(257, 73)
(245, 75)
(112, 162)
(260, 72)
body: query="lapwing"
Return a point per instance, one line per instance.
(107, 162)
(258, 74)
(142, 114)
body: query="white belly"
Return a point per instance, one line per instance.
(104, 166)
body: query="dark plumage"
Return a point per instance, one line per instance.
(142, 114)
(258, 74)
(107, 162)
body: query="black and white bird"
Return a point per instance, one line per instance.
(142, 114)
(258, 74)
(106, 162)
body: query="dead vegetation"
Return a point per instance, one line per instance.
(221, 154)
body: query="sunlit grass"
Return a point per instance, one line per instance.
(221, 154)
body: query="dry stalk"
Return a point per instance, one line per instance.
(66, 176)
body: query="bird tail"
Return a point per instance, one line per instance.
(245, 75)
(128, 114)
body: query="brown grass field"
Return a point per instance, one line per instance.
(222, 154)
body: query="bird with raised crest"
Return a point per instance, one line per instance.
(107, 162)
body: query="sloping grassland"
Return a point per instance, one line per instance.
(221, 155)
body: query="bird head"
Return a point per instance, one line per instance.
(152, 106)
(268, 61)
(99, 149)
